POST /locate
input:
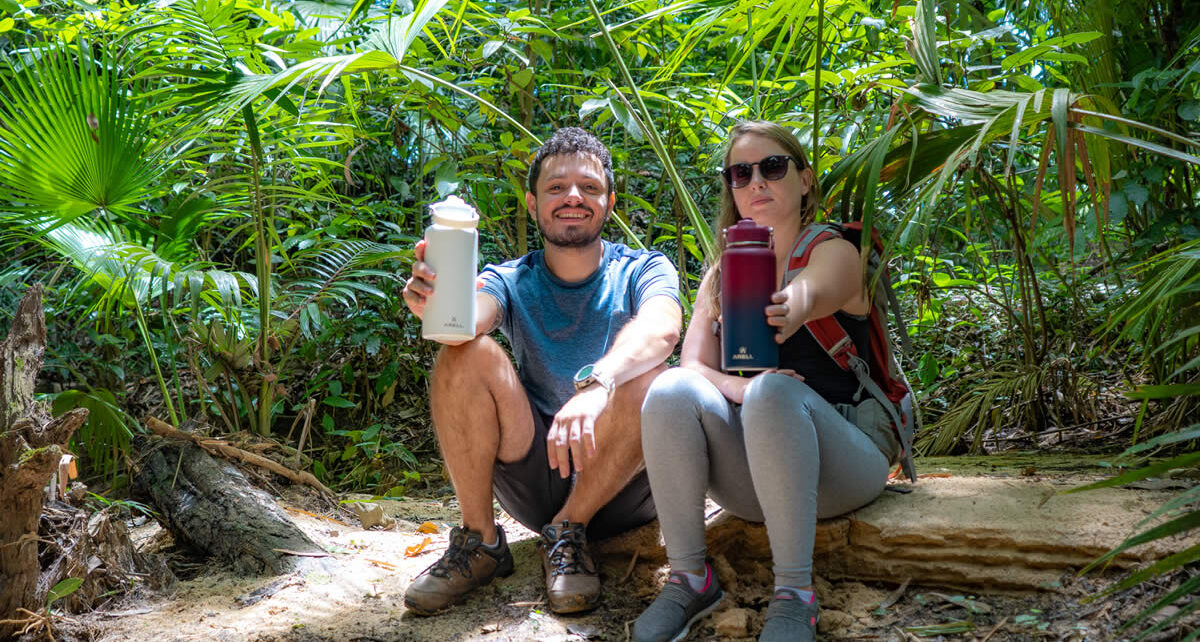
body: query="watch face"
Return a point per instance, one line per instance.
(585, 372)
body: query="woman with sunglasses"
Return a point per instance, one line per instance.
(769, 448)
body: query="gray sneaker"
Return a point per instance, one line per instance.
(790, 619)
(671, 616)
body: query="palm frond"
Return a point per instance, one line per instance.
(72, 140)
(334, 272)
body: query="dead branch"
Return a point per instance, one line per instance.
(218, 447)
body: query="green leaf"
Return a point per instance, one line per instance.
(1153, 470)
(627, 119)
(521, 79)
(63, 589)
(339, 402)
(72, 140)
(1164, 392)
(1137, 142)
(924, 49)
(1189, 110)
(490, 47)
(446, 179)
(372, 344)
(591, 105)
(1187, 434)
(1023, 57)
(397, 35)
(927, 369)
(6, 25)
(1136, 194)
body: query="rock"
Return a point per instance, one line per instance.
(835, 623)
(371, 515)
(989, 533)
(734, 623)
(973, 533)
(725, 573)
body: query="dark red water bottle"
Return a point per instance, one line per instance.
(747, 282)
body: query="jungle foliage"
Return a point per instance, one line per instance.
(221, 195)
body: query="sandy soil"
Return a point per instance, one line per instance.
(356, 594)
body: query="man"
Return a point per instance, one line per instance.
(557, 441)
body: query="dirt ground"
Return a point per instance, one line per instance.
(356, 594)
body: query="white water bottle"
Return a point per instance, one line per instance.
(451, 250)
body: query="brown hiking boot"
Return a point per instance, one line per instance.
(466, 565)
(572, 580)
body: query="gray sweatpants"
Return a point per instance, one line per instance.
(785, 456)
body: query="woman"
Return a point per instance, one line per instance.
(772, 447)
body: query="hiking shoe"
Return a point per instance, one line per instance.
(790, 619)
(465, 565)
(572, 580)
(671, 616)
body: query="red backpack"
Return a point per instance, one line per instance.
(882, 376)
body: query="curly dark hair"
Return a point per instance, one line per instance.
(571, 140)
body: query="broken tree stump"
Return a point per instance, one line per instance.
(209, 505)
(31, 445)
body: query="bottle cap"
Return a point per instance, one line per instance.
(747, 233)
(453, 212)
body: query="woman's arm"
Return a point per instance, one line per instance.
(831, 281)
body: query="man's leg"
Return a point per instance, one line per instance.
(602, 488)
(618, 454)
(481, 414)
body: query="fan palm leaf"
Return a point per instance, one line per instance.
(72, 140)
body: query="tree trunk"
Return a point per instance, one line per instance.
(31, 445)
(209, 505)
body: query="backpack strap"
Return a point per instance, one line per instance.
(836, 342)
(827, 331)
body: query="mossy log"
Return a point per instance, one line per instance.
(208, 504)
(31, 445)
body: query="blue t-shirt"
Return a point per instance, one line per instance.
(556, 327)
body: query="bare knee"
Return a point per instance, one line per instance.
(460, 364)
(630, 395)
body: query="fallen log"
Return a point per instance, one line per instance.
(208, 504)
(31, 446)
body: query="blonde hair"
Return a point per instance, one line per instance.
(728, 215)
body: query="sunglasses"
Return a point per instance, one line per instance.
(773, 168)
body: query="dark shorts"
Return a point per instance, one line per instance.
(532, 493)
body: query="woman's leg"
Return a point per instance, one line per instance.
(807, 462)
(691, 438)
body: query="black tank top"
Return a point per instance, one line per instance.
(802, 353)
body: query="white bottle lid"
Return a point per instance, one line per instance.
(454, 212)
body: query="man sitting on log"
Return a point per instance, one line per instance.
(557, 441)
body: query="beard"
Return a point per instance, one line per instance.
(574, 236)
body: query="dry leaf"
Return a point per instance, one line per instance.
(428, 527)
(416, 549)
(304, 512)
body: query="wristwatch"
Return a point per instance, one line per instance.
(588, 375)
